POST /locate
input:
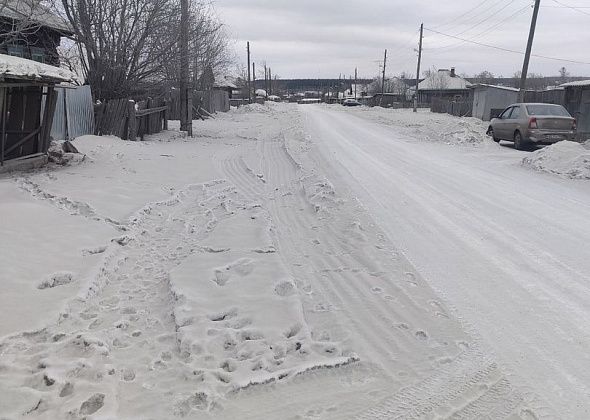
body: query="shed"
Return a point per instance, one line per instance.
(577, 102)
(490, 100)
(27, 104)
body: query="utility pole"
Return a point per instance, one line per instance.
(186, 102)
(529, 48)
(355, 81)
(418, 71)
(269, 81)
(383, 81)
(265, 78)
(254, 79)
(249, 75)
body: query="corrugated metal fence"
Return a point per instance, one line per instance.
(74, 113)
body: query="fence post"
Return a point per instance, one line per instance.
(131, 121)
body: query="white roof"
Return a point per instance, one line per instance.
(442, 80)
(578, 83)
(21, 68)
(224, 82)
(485, 85)
(260, 92)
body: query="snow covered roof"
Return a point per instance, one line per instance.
(578, 83)
(34, 11)
(260, 92)
(224, 82)
(442, 80)
(485, 85)
(21, 68)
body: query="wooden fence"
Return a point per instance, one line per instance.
(447, 106)
(129, 120)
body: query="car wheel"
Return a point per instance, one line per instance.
(519, 143)
(492, 135)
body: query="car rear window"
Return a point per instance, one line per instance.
(553, 110)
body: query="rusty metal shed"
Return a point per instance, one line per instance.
(27, 104)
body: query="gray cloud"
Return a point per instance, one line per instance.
(323, 38)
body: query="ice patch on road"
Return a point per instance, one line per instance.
(566, 158)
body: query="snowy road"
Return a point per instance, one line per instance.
(506, 247)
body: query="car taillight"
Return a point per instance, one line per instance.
(574, 125)
(533, 123)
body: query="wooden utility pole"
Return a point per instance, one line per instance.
(186, 102)
(269, 81)
(265, 78)
(418, 71)
(249, 75)
(383, 81)
(254, 79)
(529, 48)
(355, 81)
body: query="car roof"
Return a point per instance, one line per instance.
(534, 103)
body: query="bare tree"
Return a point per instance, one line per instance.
(564, 75)
(208, 48)
(118, 41)
(485, 77)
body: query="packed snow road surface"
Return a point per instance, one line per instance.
(507, 247)
(295, 263)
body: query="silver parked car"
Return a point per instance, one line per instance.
(528, 124)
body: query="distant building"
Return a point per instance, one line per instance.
(444, 84)
(490, 100)
(30, 30)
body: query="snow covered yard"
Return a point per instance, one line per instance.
(291, 262)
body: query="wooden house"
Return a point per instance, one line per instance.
(30, 30)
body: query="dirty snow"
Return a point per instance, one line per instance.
(424, 125)
(566, 158)
(287, 262)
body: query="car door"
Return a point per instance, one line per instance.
(500, 129)
(513, 122)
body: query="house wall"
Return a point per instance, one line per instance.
(426, 96)
(32, 42)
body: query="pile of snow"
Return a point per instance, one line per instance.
(565, 158)
(426, 125)
(253, 108)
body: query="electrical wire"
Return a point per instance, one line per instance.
(575, 9)
(507, 49)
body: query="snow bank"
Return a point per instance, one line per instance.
(265, 108)
(426, 125)
(565, 158)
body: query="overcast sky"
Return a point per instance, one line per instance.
(323, 38)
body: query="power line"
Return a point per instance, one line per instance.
(485, 13)
(575, 9)
(463, 14)
(507, 49)
(485, 31)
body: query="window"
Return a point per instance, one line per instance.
(515, 113)
(38, 54)
(553, 110)
(16, 50)
(506, 114)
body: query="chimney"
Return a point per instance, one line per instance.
(453, 74)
